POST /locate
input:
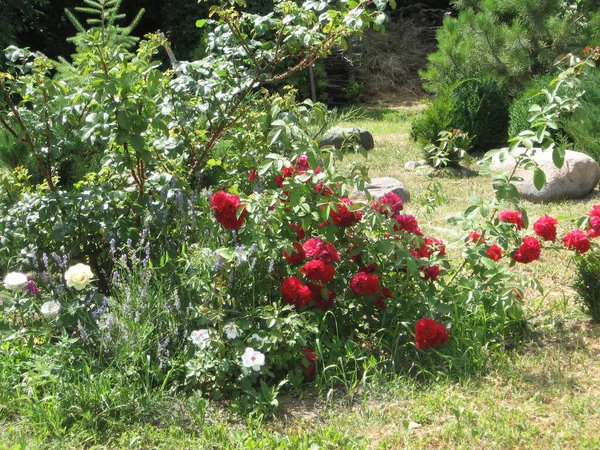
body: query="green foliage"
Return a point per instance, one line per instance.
(507, 41)
(452, 147)
(519, 108)
(581, 127)
(587, 283)
(476, 107)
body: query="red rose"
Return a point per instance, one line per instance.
(431, 273)
(309, 365)
(321, 296)
(392, 200)
(301, 164)
(316, 270)
(343, 217)
(300, 234)
(429, 247)
(407, 223)
(324, 190)
(380, 301)
(317, 249)
(578, 240)
(285, 173)
(225, 207)
(476, 237)
(494, 252)
(298, 254)
(594, 230)
(295, 293)
(365, 284)
(429, 333)
(546, 227)
(529, 251)
(252, 175)
(515, 217)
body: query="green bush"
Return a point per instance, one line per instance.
(587, 283)
(519, 108)
(582, 127)
(508, 40)
(473, 106)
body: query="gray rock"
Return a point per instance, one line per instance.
(411, 166)
(336, 137)
(378, 187)
(578, 176)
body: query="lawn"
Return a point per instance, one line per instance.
(541, 394)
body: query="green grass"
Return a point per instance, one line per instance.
(543, 395)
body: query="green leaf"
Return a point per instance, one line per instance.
(539, 178)
(558, 156)
(200, 23)
(123, 120)
(137, 142)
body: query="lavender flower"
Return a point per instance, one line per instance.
(271, 266)
(101, 309)
(113, 246)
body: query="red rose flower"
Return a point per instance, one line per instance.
(295, 293)
(225, 207)
(316, 270)
(317, 249)
(324, 190)
(298, 254)
(515, 217)
(343, 217)
(407, 223)
(431, 273)
(392, 200)
(301, 164)
(594, 230)
(429, 333)
(309, 365)
(380, 301)
(494, 252)
(578, 240)
(285, 173)
(318, 294)
(476, 237)
(365, 284)
(300, 234)
(429, 247)
(529, 251)
(546, 227)
(252, 175)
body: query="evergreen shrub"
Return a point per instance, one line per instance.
(474, 106)
(587, 283)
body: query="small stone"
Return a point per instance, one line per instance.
(337, 136)
(378, 187)
(410, 166)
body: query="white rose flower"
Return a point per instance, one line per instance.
(232, 331)
(257, 338)
(15, 281)
(199, 337)
(79, 276)
(253, 358)
(50, 309)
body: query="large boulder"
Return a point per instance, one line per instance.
(578, 176)
(378, 187)
(336, 137)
